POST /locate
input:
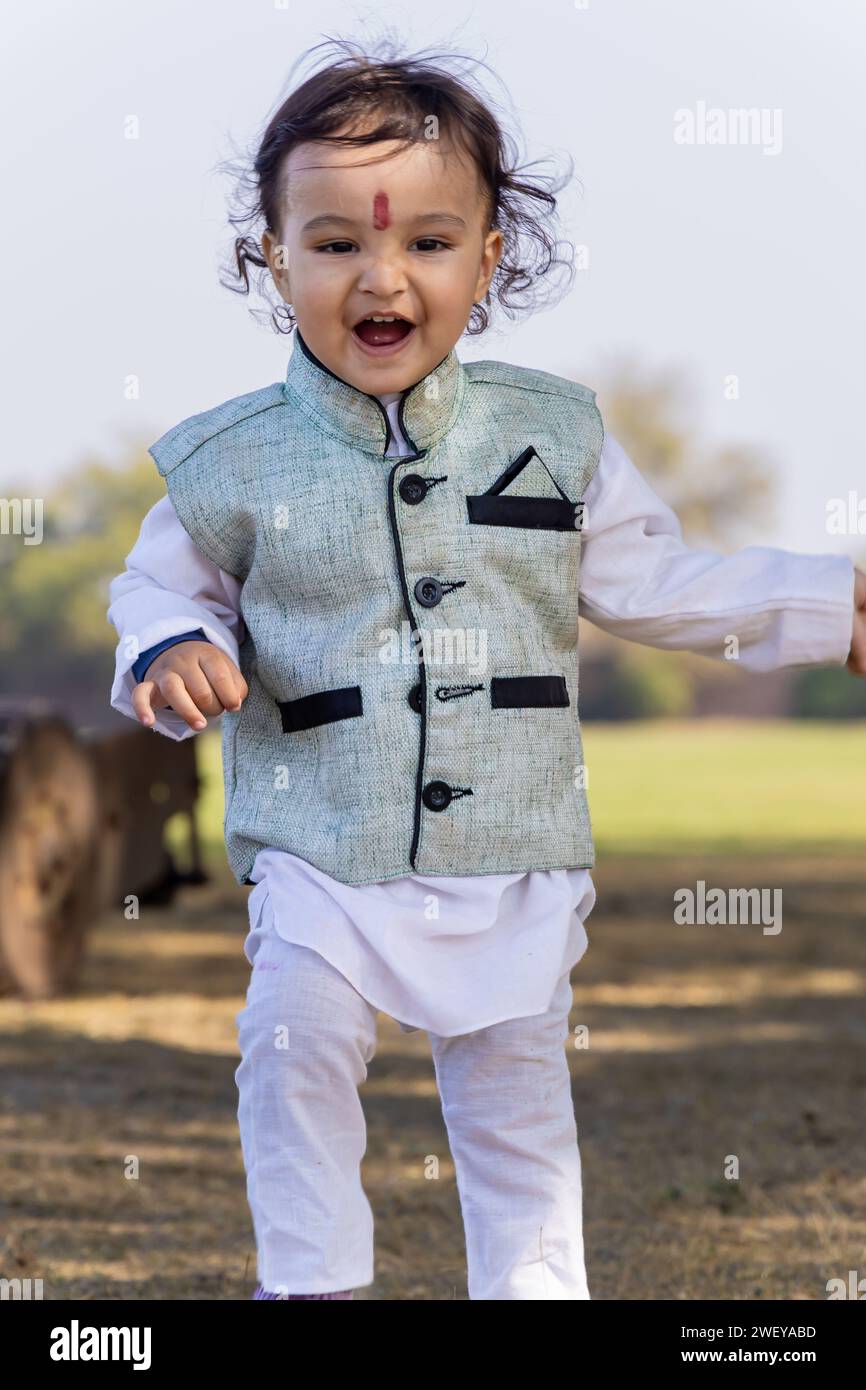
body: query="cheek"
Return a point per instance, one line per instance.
(321, 282)
(457, 289)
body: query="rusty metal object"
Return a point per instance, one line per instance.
(81, 831)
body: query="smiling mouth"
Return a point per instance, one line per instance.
(383, 335)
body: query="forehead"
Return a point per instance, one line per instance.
(427, 169)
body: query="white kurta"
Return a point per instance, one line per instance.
(454, 954)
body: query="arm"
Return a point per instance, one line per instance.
(640, 580)
(169, 590)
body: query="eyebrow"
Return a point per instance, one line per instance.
(328, 218)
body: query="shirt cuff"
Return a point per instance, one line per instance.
(819, 633)
(139, 667)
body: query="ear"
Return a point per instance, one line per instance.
(490, 258)
(276, 255)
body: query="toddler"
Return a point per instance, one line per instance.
(373, 571)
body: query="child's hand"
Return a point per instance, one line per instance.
(194, 678)
(856, 662)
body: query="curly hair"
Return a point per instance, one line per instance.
(401, 94)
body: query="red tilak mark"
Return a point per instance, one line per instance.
(381, 216)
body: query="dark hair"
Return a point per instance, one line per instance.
(400, 94)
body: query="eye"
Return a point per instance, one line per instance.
(435, 240)
(329, 244)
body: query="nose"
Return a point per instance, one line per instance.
(383, 275)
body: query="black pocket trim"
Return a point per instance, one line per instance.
(535, 513)
(528, 692)
(326, 707)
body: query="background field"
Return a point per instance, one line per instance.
(663, 786)
(706, 1041)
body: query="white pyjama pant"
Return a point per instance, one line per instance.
(306, 1036)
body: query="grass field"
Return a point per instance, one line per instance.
(663, 786)
(660, 786)
(706, 1042)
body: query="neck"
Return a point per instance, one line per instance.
(360, 417)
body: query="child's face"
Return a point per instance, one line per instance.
(381, 250)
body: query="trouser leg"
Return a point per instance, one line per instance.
(507, 1103)
(305, 1037)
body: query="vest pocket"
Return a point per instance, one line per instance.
(325, 707)
(494, 508)
(528, 692)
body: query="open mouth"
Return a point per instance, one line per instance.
(383, 336)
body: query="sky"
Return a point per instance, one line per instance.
(739, 260)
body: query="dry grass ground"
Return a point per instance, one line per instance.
(705, 1041)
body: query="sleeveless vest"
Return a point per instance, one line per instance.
(411, 644)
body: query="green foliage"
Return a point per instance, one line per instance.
(652, 684)
(828, 692)
(54, 595)
(636, 683)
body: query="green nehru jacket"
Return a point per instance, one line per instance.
(412, 623)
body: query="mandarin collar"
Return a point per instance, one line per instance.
(428, 409)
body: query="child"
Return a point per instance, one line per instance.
(419, 839)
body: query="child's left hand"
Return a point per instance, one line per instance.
(856, 662)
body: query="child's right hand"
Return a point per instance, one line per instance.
(194, 678)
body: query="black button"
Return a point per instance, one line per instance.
(436, 795)
(412, 489)
(428, 591)
(414, 698)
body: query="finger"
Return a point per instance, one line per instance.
(226, 682)
(173, 688)
(201, 692)
(146, 698)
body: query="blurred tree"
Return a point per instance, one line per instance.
(54, 595)
(634, 682)
(721, 495)
(826, 692)
(724, 499)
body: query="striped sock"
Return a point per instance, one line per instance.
(260, 1293)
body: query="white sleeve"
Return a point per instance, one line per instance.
(639, 580)
(168, 588)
